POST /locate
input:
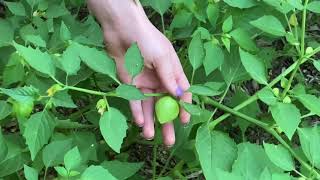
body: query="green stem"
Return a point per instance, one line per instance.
(154, 161)
(162, 24)
(265, 127)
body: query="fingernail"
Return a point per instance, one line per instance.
(140, 125)
(179, 91)
(148, 139)
(168, 146)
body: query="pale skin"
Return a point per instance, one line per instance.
(124, 22)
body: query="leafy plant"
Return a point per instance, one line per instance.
(64, 113)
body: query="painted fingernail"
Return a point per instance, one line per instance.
(179, 91)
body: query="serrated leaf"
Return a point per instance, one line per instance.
(41, 61)
(16, 8)
(266, 95)
(30, 173)
(5, 110)
(113, 126)
(52, 154)
(96, 173)
(204, 90)
(269, 24)
(227, 24)
(241, 3)
(192, 109)
(72, 159)
(129, 92)
(133, 60)
(161, 6)
(254, 66)
(215, 150)
(121, 170)
(214, 57)
(243, 39)
(314, 6)
(63, 99)
(287, 117)
(280, 156)
(38, 131)
(22, 93)
(196, 51)
(70, 60)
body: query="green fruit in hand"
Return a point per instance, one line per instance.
(167, 109)
(23, 109)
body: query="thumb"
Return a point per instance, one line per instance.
(165, 71)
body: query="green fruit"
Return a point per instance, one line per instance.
(167, 109)
(286, 100)
(276, 91)
(23, 109)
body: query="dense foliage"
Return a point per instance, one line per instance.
(64, 113)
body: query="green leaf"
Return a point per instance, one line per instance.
(226, 42)
(223, 175)
(41, 61)
(161, 6)
(22, 93)
(65, 33)
(283, 6)
(280, 156)
(204, 33)
(98, 61)
(196, 52)
(14, 70)
(33, 3)
(192, 109)
(7, 29)
(133, 60)
(311, 102)
(241, 3)
(30, 173)
(309, 139)
(214, 57)
(38, 131)
(87, 144)
(113, 126)
(14, 160)
(227, 24)
(129, 92)
(3, 147)
(5, 110)
(287, 117)
(266, 95)
(316, 64)
(278, 176)
(52, 154)
(254, 66)
(55, 10)
(122, 170)
(314, 6)
(97, 173)
(213, 14)
(70, 60)
(243, 39)
(63, 99)
(61, 171)
(36, 40)
(204, 90)
(215, 150)
(269, 24)
(16, 8)
(182, 19)
(265, 175)
(72, 159)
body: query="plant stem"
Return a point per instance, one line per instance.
(162, 24)
(265, 127)
(154, 161)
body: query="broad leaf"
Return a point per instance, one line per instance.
(70, 60)
(65, 33)
(213, 14)
(129, 92)
(22, 93)
(133, 60)
(224, 175)
(269, 24)
(314, 6)
(16, 8)
(280, 156)
(113, 126)
(36, 40)
(241, 3)
(7, 29)
(287, 117)
(52, 154)
(121, 170)
(266, 95)
(192, 109)
(97, 173)
(5, 110)
(227, 24)
(14, 160)
(214, 57)
(196, 51)
(161, 6)
(215, 150)
(3, 147)
(182, 19)
(254, 66)
(311, 102)
(72, 159)
(63, 99)
(14, 71)
(30, 173)
(243, 39)
(38, 131)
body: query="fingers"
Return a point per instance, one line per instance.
(137, 113)
(148, 112)
(168, 134)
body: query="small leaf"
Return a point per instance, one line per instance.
(243, 39)
(30, 173)
(3, 147)
(213, 14)
(227, 24)
(70, 60)
(204, 90)
(39, 129)
(133, 60)
(65, 33)
(63, 99)
(55, 10)
(61, 171)
(214, 57)
(226, 42)
(254, 66)
(113, 126)
(269, 24)
(7, 29)
(161, 6)
(314, 6)
(266, 95)
(192, 109)
(196, 51)
(287, 117)
(182, 19)
(241, 3)
(280, 156)
(121, 170)
(96, 173)
(72, 159)
(316, 64)
(16, 8)
(129, 92)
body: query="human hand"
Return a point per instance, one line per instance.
(124, 22)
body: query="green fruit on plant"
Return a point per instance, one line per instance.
(22, 109)
(309, 50)
(167, 109)
(286, 100)
(276, 91)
